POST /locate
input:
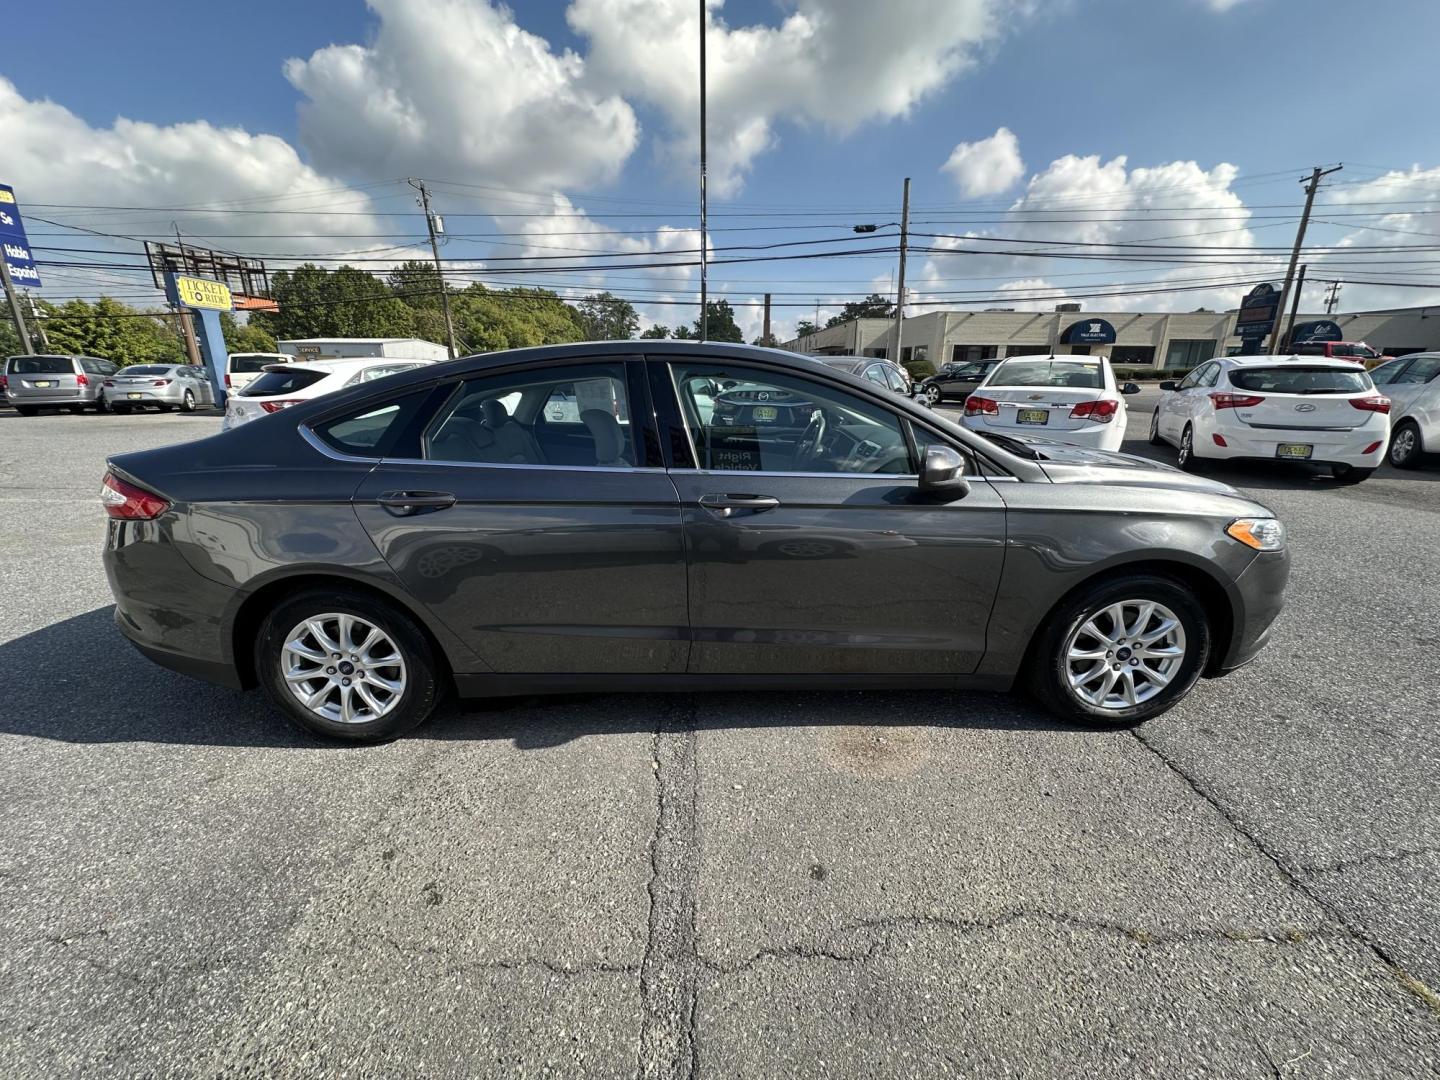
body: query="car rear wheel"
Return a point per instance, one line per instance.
(1121, 651)
(933, 396)
(1155, 439)
(1350, 474)
(347, 666)
(1405, 449)
(187, 404)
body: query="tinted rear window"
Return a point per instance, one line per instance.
(1296, 379)
(41, 365)
(1063, 373)
(282, 382)
(250, 365)
(146, 369)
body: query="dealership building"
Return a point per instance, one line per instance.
(1169, 340)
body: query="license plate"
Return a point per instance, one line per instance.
(765, 414)
(1032, 416)
(134, 397)
(44, 384)
(1298, 451)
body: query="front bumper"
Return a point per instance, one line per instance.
(1261, 596)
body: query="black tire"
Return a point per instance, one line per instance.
(1350, 474)
(1155, 439)
(1405, 446)
(424, 683)
(25, 410)
(165, 408)
(75, 410)
(120, 410)
(933, 395)
(187, 403)
(1186, 458)
(1049, 671)
(102, 404)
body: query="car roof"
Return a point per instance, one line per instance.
(1078, 358)
(1285, 358)
(349, 363)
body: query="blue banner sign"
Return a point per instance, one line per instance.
(15, 242)
(1089, 332)
(1319, 330)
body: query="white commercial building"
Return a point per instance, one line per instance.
(408, 348)
(1170, 340)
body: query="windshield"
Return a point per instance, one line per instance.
(282, 382)
(244, 364)
(1295, 379)
(41, 365)
(1068, 373)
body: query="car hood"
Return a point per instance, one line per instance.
(1065, 464)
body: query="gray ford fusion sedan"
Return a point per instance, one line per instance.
(663, 515)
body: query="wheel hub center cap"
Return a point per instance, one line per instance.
(347, 668)
(1123, 654)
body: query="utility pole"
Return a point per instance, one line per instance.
(15, 307)
(182, 316)
(419, 185)
(765, 329)
(900, 292)
(704, 224)
(1310, 188)
(1294, 307)
(39, 321)
(1332, 298)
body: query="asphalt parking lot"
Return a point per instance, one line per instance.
(757, 885)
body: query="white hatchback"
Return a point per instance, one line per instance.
(1070, 399)
(1413, 385)
(282, 385)
(1285, 408)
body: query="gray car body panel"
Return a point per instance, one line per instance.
(564, 578)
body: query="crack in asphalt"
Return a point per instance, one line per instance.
(1374, 857)
(555, 967)
(666, 1046)
(889, 925)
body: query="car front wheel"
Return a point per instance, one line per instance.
(347, 666)
(1121, 651)
(1155, 439)
(932, 395)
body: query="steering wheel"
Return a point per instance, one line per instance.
(812, 440)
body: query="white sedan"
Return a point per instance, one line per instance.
(1284, 408)
(1413, 385)
(1071, 399)
(283, 385)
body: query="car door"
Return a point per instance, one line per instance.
(825, 557)
(1406, 387)
(539, 565)
(961, 379)
(1183, 401)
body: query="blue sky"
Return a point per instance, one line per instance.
(1267, 86)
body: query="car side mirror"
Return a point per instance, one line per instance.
(943, 472)
(1169, 384)
(1130, 388)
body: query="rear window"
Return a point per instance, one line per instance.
(41, 365)
(146, 369)
(1063, 373)
(1296, 379)
(364, 433)
(282, 382)
(240, 364)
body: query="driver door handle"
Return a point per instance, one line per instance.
(405, 503)
(725, 505)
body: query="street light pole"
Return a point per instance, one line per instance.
(704, 225)
(900, 292)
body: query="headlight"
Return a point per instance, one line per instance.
(1262, 534)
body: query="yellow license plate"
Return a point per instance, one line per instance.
(1299, 451)
(135, 397)
(765, 414)
(43, 385)
(1032, 416)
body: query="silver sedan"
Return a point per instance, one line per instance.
(161, 386)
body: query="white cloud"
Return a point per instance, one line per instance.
(840, 64)
(455, 89)
(987, 166)
(1415, 196)
(1223, 6)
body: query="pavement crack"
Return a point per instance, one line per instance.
(1342, 865)
(668, 973)
(555, 967)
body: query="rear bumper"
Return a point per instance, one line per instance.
(118, 395)
(1328, 447)
(1092, 436)
(212, 671)
(41, 398)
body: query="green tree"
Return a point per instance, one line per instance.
(767, 341)
(347, 302)
(111, 329)
(873, 306)
(244, 337)
(418, 282)
(804, 328)
(656, 331)
(684, 333)
(488, 319)
(606, 317)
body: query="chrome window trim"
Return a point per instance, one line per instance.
(512, 465)
(329, 451)
(810, 475)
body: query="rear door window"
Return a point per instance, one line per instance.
(370, 431)
(272, 383)
(1296, 379)
(240, 364)
(1421, 370)
(41, 365)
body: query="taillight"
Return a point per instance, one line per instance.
(128, 502)
(227, 380)
(1373, 447)
(981, 406)
(109, 382)
(1371, 404)
(1235, 401)
(82, 380)
(158, 382)
(276, 406)
(4, 382)
(1102, 411)
(1219, 439)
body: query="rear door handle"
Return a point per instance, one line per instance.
(404, 503)
(725, 505)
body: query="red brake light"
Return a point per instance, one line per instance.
(158, 382)
(227, 380)
(1371, 404)
(1235, 401)
(1102, 411)
(976, 406)
(128, 502)
(82, 380)
(276, 406)
(109, 382)
(4, 382)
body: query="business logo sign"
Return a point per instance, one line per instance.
(1256, 316)
(203, 293)
(14, 241)
(1319, 330)
(1089, 332)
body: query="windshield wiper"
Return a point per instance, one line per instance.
(1015, 446)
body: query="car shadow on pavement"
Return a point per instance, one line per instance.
(1267, 476)
(117, 695)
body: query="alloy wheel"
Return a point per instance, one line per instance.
(932, 395)
(1403, 446)
(1124, 654)
(343, 668)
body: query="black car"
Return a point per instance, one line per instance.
(954, 382)
(878, 370)
(597, 516)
